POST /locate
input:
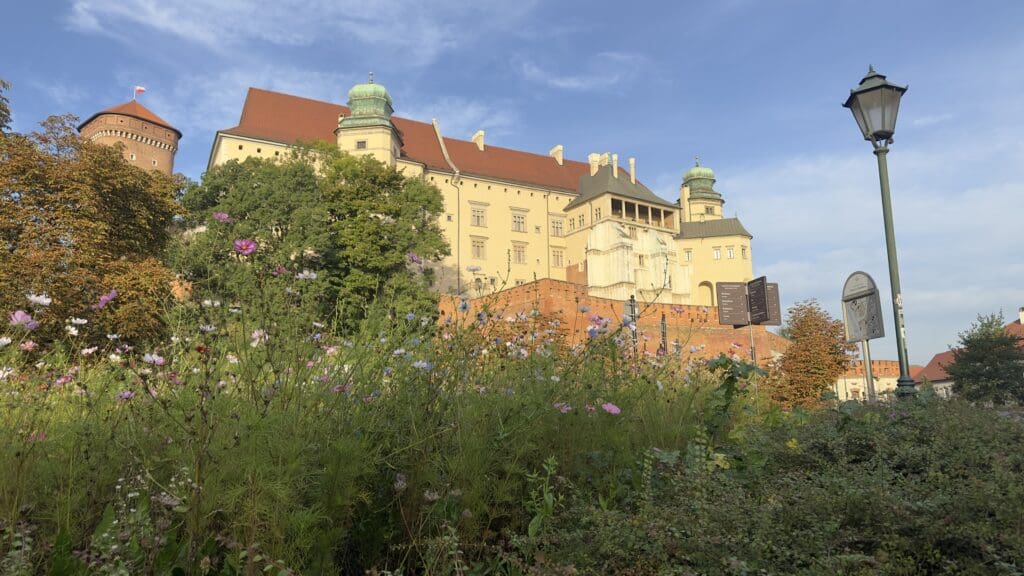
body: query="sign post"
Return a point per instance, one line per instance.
(748, 303)
(862, 319)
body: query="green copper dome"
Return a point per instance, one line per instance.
(369, 105)
(701, 181)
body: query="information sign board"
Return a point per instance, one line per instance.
(757, 300)
(732, 303)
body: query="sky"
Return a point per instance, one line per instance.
(752, 88)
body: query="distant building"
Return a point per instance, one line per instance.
(852, 384)
(512, 217)
(149, 141)
(935, 374)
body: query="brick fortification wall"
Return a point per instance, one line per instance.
(693, 330)
(146, 145)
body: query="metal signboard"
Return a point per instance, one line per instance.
(774, 308)
(732, 303)
(757, 300)
(862, 309)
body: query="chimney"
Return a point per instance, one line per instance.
(556, 153)
(632, 170)
(615, 165)
(606, 159)
(594, 159)
(1020, 315)
(478, 139)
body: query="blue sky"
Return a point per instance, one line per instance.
(753, 88)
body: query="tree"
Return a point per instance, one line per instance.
(77, 221)
(5, 108)
(817, 356)
(352, 221)
(988, 365)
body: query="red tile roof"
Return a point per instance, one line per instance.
(935, 371)
(135, 110)
(287, 119)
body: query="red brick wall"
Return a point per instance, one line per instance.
(146, 141)
(694, 327)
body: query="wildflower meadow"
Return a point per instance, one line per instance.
(302, 407)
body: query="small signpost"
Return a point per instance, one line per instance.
(862, 318)
(749, 303)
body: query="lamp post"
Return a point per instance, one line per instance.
(875, 103)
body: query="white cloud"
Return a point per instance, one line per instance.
(957, 227)
(603, 71)
(415, 32)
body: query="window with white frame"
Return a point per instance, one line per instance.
(479, 248)
(557, 257)
(519, 253)
(518, 222)
(478, 216)
(716, 253)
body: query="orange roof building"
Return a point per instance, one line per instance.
(149, 141)
(513, 216)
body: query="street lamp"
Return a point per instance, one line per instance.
(875, 103)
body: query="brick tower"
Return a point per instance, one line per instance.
(149, 141)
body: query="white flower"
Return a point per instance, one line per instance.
(114, 357)
(78, 321)
(207, 328)
(39, 299)
(154, 359)
(113, 337)
(259, 337)
(306, 275)
(5, 341)
(89, 351)
(5, 372)
(71, 330)
(231, 358)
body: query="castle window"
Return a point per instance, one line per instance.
(640, 260)
(449, 217)
(572, 224)
(259, 150)
(154, 162)
(709, 209)
(360, 144)
(478, 217)
(519, 253)
(688, 255)
(556, 227)
(536, 229)
(557, 258)
(581, 221)
(716, 252)
(239, 146)
(479, 248)
(519, 222)
(632, 232)
(133, 156)
(597, 214)
(730, 252)
(277, 153)
(743, 252)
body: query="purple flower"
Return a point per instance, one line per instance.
(584, 309)
(463, 306)
(410, 316)
(221, 217)
(244, 246)
(423, 365)
(278, 271)
(610, 408)
(104, 300)
(592, 332)
(125, 395)
(562, 407)
(22, 318)
(414, 258)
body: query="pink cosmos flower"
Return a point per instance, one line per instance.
(221, 217)
(610, 408)
(244, 246)
(27, 345)
(104, 300)
(22, 318)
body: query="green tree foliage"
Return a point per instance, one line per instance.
(352, 221)
(77, 221)
(989, 363)
(5, 107)
(817, 356)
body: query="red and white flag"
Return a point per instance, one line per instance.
(140, 89)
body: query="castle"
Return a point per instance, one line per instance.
(149, 141)
(512, 217)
